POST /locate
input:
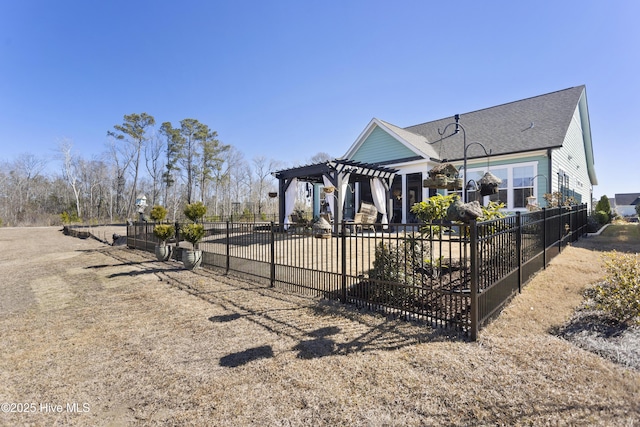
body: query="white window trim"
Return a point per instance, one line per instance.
(509, 167)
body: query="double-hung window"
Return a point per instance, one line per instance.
(517, 184)
(522, 185)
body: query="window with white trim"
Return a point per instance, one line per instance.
(522, 185)
(517, 184)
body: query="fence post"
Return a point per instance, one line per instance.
(519, 248)
(560, 227)
(273, 256)
(544, 238)
(473, 228)
(343, 241)
(228, 249)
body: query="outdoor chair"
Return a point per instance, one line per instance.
(366, 217)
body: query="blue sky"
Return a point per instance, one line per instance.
(288, 79)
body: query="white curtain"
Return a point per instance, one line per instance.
(379, 200)
(343, 192)
(290, 201)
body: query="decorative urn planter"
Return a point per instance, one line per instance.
(191, 259)
(192, 233)
(163, 252)
(163, 232)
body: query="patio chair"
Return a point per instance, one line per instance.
(366, 217)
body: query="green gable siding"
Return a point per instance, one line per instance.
(572, 161)
(379, 146)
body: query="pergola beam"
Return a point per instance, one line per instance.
(336, 171)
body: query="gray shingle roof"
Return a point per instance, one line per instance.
(415, 139)
(530, 124)
(627, 199)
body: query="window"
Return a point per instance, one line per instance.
(414, 194)
(474, 195)
(517, 184)
(522, 185)
(503, 189)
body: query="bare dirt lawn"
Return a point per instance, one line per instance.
(101, 335)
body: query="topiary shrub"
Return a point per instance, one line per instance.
(158, 213)
(193, 233)
(195, 211)
(434, 208)
(164, 232)
(619, 293)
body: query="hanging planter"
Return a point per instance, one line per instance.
(455, 185)
(329, 190)
(489, 184)
(442, 176)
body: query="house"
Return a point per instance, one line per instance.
(625, 204)
(533, 146)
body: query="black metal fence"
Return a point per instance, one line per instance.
(449, 275)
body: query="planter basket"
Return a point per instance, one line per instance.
(489, 184)
(454, 185)
(444, 176)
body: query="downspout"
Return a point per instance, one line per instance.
(550, 167)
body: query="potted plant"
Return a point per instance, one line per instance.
(193, 233)
(163, 232)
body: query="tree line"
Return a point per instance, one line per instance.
(172, 165)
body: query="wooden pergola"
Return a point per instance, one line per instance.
(337, 173)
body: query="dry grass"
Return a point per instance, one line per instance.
(148, 343)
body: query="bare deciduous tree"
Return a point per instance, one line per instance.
(70, 170)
